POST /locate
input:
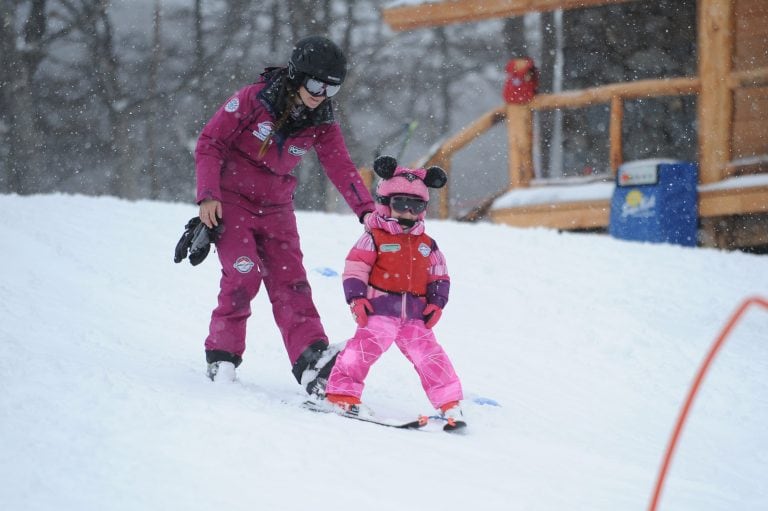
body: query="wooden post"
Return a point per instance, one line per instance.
(616, 147)
(445, 192)
(520, 135)
(366, 174)
(715, 106)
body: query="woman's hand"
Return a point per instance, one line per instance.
(210, 212)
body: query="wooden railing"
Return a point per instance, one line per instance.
(519, 125)
(443, 153)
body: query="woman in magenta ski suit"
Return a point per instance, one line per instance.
(244, 159)
(396, 282)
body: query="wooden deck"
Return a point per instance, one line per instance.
(731, 90)
(721, 211)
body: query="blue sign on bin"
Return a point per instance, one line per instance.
(657, 201)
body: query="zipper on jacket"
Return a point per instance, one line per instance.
(409, 240)
(357, 194)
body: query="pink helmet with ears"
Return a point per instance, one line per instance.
(397, 180)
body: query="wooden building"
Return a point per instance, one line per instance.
(732, 118)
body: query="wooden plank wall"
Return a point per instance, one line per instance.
(751, 35)
(750, 115)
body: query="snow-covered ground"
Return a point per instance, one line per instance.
(587, 345)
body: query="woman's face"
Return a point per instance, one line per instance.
(309, 100)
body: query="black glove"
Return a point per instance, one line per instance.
(196, 241)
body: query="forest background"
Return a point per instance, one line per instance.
(108, 97)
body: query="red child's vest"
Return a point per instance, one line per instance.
(402, 262)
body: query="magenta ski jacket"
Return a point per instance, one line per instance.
(227, 160)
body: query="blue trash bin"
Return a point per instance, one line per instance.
(656, 201)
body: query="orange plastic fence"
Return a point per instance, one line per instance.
(694, 389)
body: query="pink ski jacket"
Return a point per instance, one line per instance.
(362, 259)
(230, 170)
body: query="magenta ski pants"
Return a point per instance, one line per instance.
(255, 248)
(414, 340)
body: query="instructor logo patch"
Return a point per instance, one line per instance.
(243, 264)
(424, 249)
(232, 105)
(265, 128)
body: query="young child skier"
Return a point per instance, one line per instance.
(396, 283)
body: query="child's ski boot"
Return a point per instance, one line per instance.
(453, 417)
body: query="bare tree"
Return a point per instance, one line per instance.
(89, 104)
(152, 89)
(18, 66)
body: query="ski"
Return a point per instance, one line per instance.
(454, 426)
(449, 426)
(419, 422)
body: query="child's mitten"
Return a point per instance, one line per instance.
(360, 308)
(432, 315)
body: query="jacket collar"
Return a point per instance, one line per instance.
(390, 225)
(274, 96)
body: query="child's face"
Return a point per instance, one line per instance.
(407, 215)
(406, 207)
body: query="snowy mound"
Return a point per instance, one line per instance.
(575, 352)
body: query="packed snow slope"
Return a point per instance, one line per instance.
(575, 352)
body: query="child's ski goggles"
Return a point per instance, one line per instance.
(319, 89)
(403, 203)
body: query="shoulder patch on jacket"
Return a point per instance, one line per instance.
(232, 105)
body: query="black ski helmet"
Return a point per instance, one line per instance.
(317, 57)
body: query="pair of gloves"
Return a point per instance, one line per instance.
(196, 241)
(361, 308)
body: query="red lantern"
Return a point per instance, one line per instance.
(522, 81)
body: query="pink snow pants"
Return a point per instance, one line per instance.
(256, 248)
(415, 341)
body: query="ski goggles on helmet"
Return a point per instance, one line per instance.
(403, 203)
(319, 88)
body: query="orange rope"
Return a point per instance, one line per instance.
(694, 389)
